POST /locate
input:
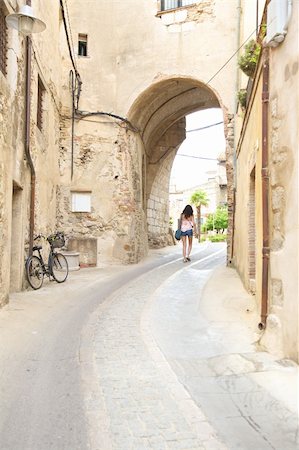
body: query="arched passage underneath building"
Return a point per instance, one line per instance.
(159, 114)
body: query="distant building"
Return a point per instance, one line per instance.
(215, 188)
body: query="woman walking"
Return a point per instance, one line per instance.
(188, 227)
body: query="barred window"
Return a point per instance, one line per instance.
(173, 4)
(3, 42)
(40, 99)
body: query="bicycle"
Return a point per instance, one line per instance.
(57, 266)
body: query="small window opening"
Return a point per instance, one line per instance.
(82, 45)
(3, 42)
(173, 4)
(81, 201)
(40, 99)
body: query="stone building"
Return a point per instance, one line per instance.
(215, 187)
(161, 65)
(30, 109)
(109, 88)
(265, 249)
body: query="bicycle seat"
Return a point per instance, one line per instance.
(37, 247)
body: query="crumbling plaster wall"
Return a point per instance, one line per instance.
(284, 139)
(146, 47)
(44, 144)
(249, 160)
(281, 333)
(108, 164)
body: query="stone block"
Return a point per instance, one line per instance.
(72, 259)
(87, 247)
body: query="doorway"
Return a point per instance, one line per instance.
(252, 234)
(16, 256)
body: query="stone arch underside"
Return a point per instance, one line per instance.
(159, 115)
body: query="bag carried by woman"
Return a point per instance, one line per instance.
(178, 232)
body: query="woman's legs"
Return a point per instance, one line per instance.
(189, 246)
(184, 242)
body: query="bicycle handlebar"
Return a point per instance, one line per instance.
(39, 236)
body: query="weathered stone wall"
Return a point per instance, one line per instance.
(158, 177)
(230, 175)
(249, 161)
(108, 164)
(153, 71)
(282, 331)
(14, 168)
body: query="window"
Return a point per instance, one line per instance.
(82, 45)
(3, 42)
(81, 201)
(40, 99)
(173, 4)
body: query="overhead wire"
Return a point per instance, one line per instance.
(215, 74)
(229, 59)
(205, 127)
(197, 157)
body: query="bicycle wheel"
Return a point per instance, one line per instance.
(34, 272)
(59, 267)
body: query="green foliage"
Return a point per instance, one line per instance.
(219, 220)
(242, 97)
(218, 238)
(248, 61)
(199, 198)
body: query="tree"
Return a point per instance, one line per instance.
(199, 198)
(219, 220)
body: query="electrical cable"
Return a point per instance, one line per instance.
(78, 83)
(218, 71)
(68, 39)
(70, 28)
(234, 54)
(205, 127)
(83, 114)
(197, 157)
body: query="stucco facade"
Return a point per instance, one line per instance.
(281, 327)
(15, 178)
(102, 151)
(158, 67)
(101, 160)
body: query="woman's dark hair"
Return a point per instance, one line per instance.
(188, 211)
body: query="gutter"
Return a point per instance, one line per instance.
(27, 142)
(265, 191)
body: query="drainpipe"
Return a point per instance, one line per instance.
(265, 191)
(27, 141)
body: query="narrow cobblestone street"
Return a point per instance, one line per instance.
(162, 355)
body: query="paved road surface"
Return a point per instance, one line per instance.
(139, 357)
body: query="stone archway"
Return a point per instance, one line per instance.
(159, 114)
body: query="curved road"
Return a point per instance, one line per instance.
(111, 360)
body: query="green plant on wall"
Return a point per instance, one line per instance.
(242, 97)
(248, 61)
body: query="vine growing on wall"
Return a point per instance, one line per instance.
(242, 98)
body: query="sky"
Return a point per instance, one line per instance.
(208, 143)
